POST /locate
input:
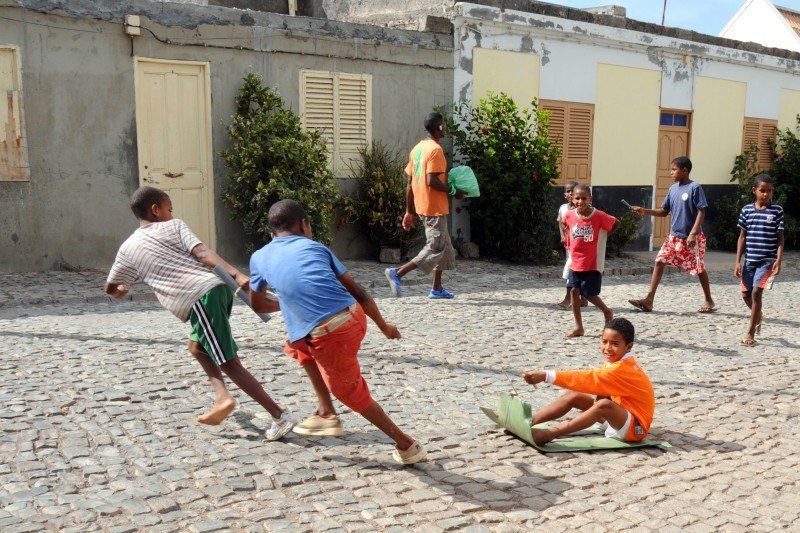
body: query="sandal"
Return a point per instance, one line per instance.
(707, 309)
(639, 304)
(748, 342)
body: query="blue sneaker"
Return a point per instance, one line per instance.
(395, 283)
(441, 295)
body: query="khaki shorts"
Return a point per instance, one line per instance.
(438, 252)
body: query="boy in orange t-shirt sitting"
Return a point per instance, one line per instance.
(624, 402)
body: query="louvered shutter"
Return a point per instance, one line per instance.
(570, 127)
(339, 106)
(317, 105)
(354, 120)
(578, 159)
(760, 132)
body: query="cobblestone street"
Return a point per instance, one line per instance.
(99, 401)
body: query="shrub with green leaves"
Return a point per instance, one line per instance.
(272, 158)
(379, 202)
(623, 236)
(515, 162)
(786, 172)
(722, 230)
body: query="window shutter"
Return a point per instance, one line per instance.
(762, 133)
(354, 120)
(317, 105)
(571, 126)
(13, 152)
(339, 107)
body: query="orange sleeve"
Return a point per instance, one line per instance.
(436, 164)
(600, 381)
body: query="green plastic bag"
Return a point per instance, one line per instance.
(463, 179)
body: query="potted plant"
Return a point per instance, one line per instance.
(379, 201)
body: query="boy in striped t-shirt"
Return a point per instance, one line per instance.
(165, 254)
(761, 243)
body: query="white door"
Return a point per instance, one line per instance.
(174, 136)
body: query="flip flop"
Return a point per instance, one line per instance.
(706, 309)
(748, 342)
(639, 304)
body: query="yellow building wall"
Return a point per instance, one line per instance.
(717, 123)
(790, 108)
(514, 73)
(626, 113)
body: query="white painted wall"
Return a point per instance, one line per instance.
(760, 22)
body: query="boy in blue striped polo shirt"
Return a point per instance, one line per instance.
(761, 243)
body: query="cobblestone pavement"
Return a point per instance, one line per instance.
(99, 403)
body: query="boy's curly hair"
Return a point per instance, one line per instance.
(624, 327)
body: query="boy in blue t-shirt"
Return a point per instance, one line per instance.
(761, 243)
(685, 246)
(325, 313)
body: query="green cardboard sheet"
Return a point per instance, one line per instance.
(515, 415)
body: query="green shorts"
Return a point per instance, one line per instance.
(211, 327)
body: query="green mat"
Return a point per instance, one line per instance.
(515, 415)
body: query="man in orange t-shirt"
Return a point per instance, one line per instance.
(624, 402)
(427, 195)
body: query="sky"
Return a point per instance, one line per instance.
(704, 16)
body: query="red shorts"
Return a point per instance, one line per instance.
(335, 354)
(676, 252)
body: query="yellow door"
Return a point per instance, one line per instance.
(174, 136)
(673, 141)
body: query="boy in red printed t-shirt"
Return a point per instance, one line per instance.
(586, 229)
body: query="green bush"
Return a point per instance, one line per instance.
(723, 232)
(515, 162)
(272, 158)
(786, 172)
(379, 202)
(624, 236)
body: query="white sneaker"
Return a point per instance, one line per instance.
(281, 426)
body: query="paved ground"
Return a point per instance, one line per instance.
(99, 402)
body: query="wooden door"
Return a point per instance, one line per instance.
(571, 127)
(174, 136)
(673, 141)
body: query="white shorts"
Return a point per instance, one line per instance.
(620, 433)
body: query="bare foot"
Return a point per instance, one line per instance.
(577, 332)
(563, 304)
(541, 436)
(218, 413)
(608, 315)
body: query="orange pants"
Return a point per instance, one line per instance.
(336, 357)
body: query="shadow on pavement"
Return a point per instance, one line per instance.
(688, 442)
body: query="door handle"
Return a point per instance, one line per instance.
(173, 175)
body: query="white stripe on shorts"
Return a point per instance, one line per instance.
(208, 331)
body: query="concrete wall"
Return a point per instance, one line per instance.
(80, 113)
(576, 48)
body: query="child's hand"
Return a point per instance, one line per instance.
(737, 270)
(534, 376)
(691, 240)
(243, 281)
(391, 331)
(120, 291)
(408, 221)
(776, 268)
